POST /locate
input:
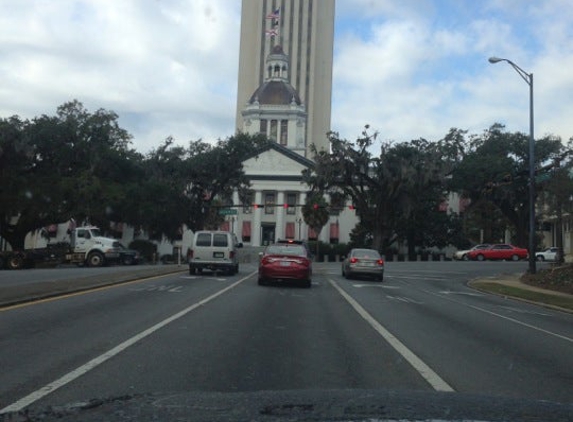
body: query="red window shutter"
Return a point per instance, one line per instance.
(289, 230)
(246, 229)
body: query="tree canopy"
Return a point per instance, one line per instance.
(80, 165)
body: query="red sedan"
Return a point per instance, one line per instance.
(285, 262)
(499, 251)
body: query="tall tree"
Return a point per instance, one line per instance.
(494, 167)
(384, 188)
(67, 166)
(185, 185)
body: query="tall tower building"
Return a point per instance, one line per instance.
(305, 31)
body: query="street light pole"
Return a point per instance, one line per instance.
(528, 78)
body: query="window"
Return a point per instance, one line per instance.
(291, 202)
(312, 235)
(289, 230)
(263, 127)
(334, 232)
(203, 239)
(220, 239)
(246, 235)
(269, 203)
(284, 132)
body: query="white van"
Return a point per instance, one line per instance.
(215, 251)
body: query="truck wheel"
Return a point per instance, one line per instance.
(16, 262)
(95, 259)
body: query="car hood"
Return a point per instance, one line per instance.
(306, 405)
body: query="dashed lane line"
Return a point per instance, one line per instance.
(420, 366)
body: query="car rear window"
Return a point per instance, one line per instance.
(220, 239)
(365, 253)
(286, 250)
(203, 239)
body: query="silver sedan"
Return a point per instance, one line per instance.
(363, 262)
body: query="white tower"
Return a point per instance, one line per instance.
(305, 30)
(275, 108)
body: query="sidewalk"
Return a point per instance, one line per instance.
(510, 285)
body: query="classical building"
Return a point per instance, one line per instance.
(284, 92)
(305, 30)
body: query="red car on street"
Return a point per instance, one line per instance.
(285, 262)
(501, 251)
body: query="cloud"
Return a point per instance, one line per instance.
(170, 63)
(412, 75)
(410, 69)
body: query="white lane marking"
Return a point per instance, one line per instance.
(404, 299)
(424, 370)
(375, 285)
(524, 311)
(449, 292)
(485, 311)
(84, 369)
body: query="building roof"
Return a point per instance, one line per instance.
(275, 93)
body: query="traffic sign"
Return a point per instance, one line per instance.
(227, 211)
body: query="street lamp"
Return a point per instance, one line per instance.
(528, 78)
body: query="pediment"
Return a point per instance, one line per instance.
(273, 163)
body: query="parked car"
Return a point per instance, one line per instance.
(499, 251)
(128, 256)
(463, 255)
(549, 254)
(364, 262)
(285, 262)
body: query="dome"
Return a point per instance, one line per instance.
(275, 93)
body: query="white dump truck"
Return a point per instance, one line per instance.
(87, 247)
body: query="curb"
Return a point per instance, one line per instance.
(515, 283)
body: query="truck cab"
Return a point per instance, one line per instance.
(89, 247)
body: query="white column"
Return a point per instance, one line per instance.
(257, 217)
(280, 227)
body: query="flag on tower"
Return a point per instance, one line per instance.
(275, 15)
(272, 32)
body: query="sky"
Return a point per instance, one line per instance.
(407, 68)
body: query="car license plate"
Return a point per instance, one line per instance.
(218, 254)
(285, 263)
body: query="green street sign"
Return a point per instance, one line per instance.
(227, 211)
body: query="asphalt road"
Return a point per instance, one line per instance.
(422, 329)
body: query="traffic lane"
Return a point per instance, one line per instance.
(254, 338)
(453, 284)
(474, 351)
(43, 340)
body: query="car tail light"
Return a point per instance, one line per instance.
(353, 260)
(380, 262)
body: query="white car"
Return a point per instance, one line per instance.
(549, 254)
(463, 255)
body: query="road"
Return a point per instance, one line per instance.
(422, 329)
